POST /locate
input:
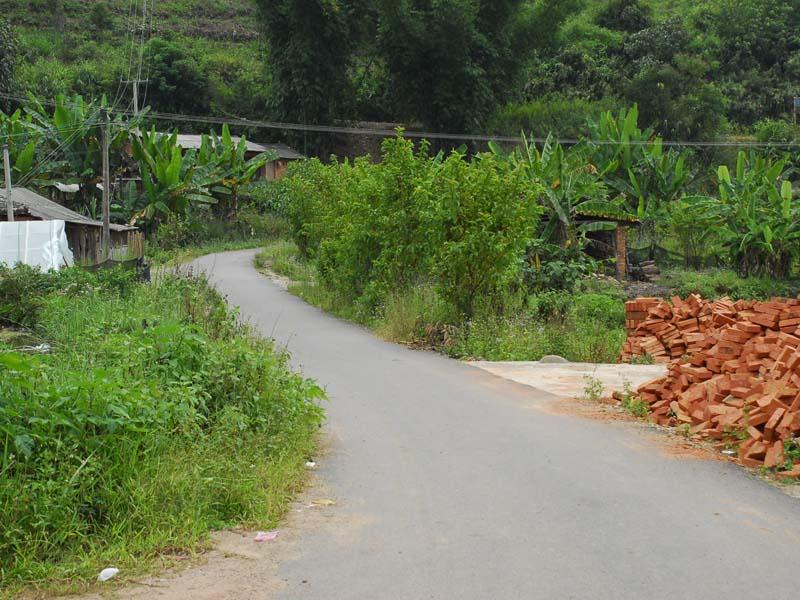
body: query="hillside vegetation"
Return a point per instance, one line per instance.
(697, 70)
(204, 57)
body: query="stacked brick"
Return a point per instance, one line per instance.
(734, 371)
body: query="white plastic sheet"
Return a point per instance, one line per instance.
(40, 244)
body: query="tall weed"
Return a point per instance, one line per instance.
(156, 418)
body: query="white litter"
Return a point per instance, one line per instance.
(107, 574)
(265, 536)
(310, 464)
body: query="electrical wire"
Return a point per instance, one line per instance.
(465, 137)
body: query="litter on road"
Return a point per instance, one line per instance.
(265, 536)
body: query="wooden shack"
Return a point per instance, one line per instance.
(85, 235)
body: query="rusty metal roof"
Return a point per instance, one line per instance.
(191, 141)
(27, 201)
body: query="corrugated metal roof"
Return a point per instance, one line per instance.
(40, 207)
(192, 141)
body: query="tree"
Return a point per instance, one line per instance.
(73, 131)
(624, 15)
(171, 178)
(310, 46)
(100, 18)
(9, 50)
(177, 82)
(451, 63)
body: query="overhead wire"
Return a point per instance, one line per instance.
(464, 137)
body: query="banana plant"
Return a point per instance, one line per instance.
(575, 198)
(759, 213)
(636, 166)
(171, 178)
(23, 141)
(233, 167)
(72, 134)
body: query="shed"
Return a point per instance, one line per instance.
(272, 170)
(84, 235)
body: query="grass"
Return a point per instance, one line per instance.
(716, 283)
(584, 327)
(632, 403)
(178, 256)
(156, 419)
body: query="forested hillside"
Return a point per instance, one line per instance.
(204, 56)
(698, 70)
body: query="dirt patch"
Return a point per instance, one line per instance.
(667, 441)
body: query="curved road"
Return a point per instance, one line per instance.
(461, 485)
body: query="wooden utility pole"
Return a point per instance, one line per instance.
(105, 128)
(7, 169)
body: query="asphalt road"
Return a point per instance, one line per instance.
(452, 483)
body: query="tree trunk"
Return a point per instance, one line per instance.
(622, 252)
(233, 207)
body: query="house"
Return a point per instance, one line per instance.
(272, 170)
(84, 235)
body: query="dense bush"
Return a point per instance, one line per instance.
(155, 418)
(414, 218)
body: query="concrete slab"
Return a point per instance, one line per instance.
(569, 379)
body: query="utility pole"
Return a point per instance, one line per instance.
(106, 134)
(7, 168)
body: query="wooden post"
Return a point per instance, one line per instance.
(622, 252)
(7, 169)
(106, 187)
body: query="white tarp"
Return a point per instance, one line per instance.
(40, 244)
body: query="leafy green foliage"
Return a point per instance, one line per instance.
(177, 82)
(758, 210)
(309, 50)
(171, 178)
(72, 133)
(156, 418)
(414, 217)
(9, 54)
(235, 169)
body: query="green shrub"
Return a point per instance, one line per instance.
(21, 290)
(375, 228)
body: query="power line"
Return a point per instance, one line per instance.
(464, 137)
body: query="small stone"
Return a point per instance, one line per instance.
(552, 359)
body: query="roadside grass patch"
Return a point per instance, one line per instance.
(156, 418)
(582, 326)
(282, 257)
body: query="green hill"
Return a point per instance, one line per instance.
(698, 69)
(212, 47)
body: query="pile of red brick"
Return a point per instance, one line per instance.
(734, 371)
